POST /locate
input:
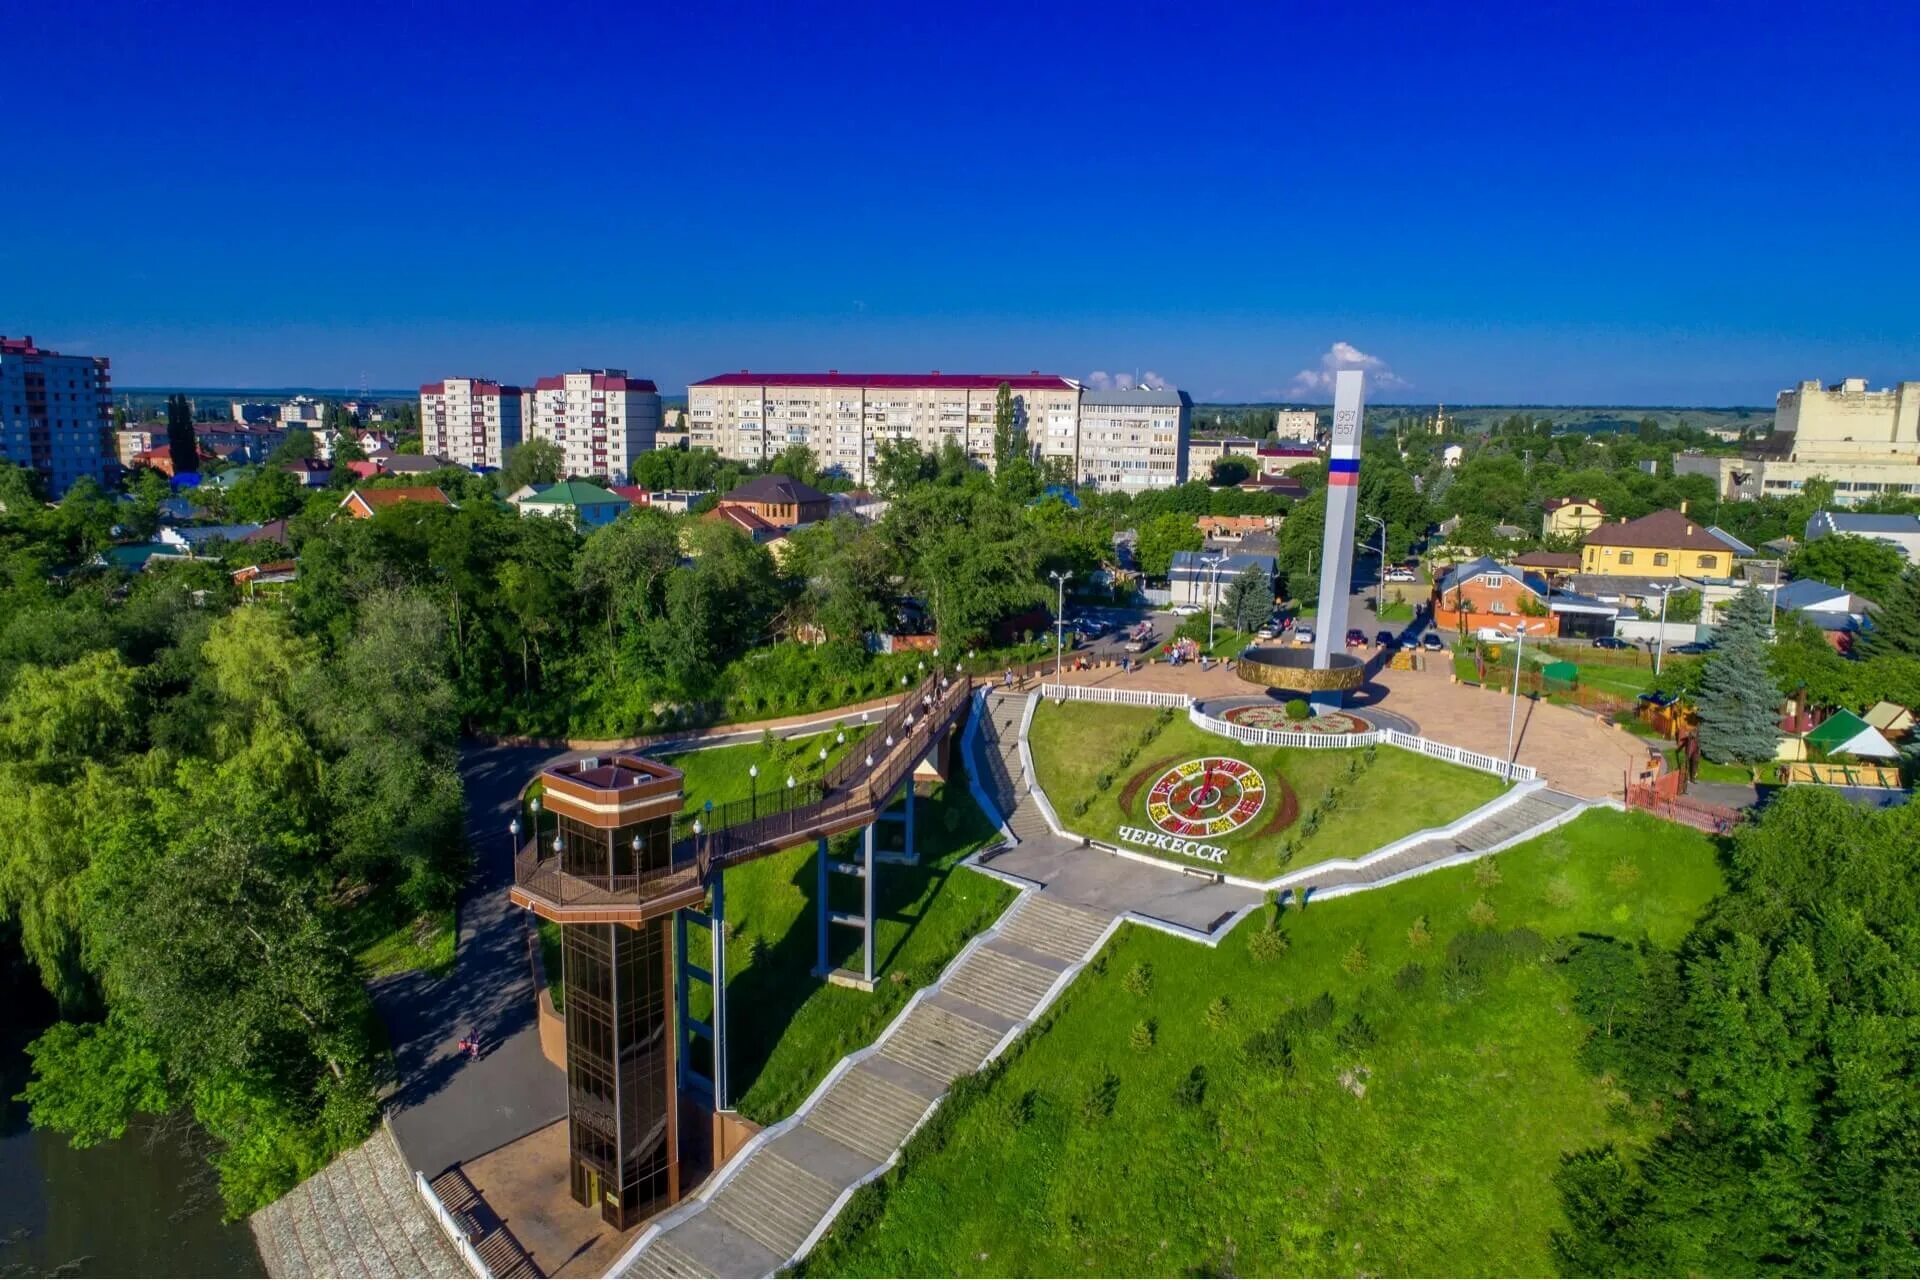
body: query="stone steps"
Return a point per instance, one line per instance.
(940, 1043)
(774, 1201)
(1053, 928)
(867, 1113)
(1003, 983)
(665, 1260)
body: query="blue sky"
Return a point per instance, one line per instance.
(1542, 203)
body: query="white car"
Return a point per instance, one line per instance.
(1188, 610)
(1303, 635)
(1493, 635)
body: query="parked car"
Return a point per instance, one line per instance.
(1695, 648)
(1611, 642)
(1188, 610)
(1494, 635)
(1431, 642)
(1303, 635)
(1265, 633)
(1386, 639)
(1356, 638)
(1402, 575)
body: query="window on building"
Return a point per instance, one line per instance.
(1708, 562)
(1659, 559)
(1626, 557)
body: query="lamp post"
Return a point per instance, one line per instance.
(1660, 641)
(1059, 617)
(513, 834)
(534, 806)
(1380, 579)
(1513, 715)
(1213, 564)
(753, 781)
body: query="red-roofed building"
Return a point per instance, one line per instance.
(364, 504)
(469, 421)
(600, 419)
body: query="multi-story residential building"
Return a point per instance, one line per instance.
(1134, 439)
(1867, 443)
(845, 417)
(600, 418)
(131, 442)
(55, 414)
(469, 421)
(254, 411)
(1296, 424)
(1203, 452)
(302, 411)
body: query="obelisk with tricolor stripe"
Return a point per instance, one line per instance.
(1343, 492)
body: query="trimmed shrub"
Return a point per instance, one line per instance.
(1297, 709)
(1219, 1013)
(1267, 944)
(1139, 979)
(1143, 1035)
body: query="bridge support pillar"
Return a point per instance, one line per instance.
(904, 815)
(714, 973)
(863, 871)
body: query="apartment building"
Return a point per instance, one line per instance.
(600, 418)
(844, 417)
(469, 421)
(1296, 424)
(302, 411)
(55, 414)
(1867, 443)
(1134, 438)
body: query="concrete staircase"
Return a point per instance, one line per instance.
(1000, 745)
(770, 1204)
(1532, 814)
(358, 1217)
(491, 1239)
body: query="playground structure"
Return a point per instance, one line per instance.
(625, 872)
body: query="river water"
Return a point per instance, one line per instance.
(145, 1205)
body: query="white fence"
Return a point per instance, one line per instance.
(452, 1228)
(1126, 697)
(1649, 630)
(1258, 737)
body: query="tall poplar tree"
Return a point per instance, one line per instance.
(183, 446)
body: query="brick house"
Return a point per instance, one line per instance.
(778, 500)
(1486, 593)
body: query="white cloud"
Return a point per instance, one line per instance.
(1344, 355)
(1101, 380)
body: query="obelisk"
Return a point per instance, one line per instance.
(1336, 550)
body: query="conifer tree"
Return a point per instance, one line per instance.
(1739, 703)
(1895, 629)
(183, 445)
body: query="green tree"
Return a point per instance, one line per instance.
(900, 465)
(296, 447)
(797, 462)
(1163, 535)
(532, 462)
(268, 494)
(623, 569)
(1738, 703)
(1860, 565)
(1230, 470)
(1895, 629)
(183, 445)
(1247, 601)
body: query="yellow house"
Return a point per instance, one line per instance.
(1574, 517)
(1666, 543)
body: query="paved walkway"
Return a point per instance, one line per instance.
(359, 1216)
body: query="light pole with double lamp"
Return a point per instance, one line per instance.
(1059, 617)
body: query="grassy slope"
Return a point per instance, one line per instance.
(1442, 1168)
(788, 1028)
(1400, 794)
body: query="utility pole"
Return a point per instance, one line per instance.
(1059, 618)
(1380, 579)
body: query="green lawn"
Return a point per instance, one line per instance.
(1397, 794)
(385, 946)
(1390, 1096)
(550, 961)
(788, 1027)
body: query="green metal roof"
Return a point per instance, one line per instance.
(576, 493)
(1840, 727)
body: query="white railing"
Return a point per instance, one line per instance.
(454, 1233)
(1125, 697)
(1257, 737)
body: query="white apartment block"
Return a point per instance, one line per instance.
(1296, 424)
(1134, 439)
(600, 418)
(844, 418)
(302, 411)
(55, 414)
(469, 421)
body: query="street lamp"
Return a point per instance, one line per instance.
(1660, 641)
(1380, 585)
(513, 833)
(1213, 564)
(1059, 617)
(1513, 716)
(753, 776)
